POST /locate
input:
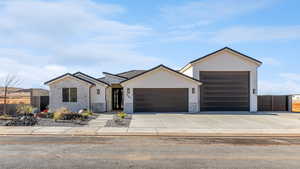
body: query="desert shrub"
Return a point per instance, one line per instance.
(72, 116)
(5, 117)
(65, 114)
(60, 113)
(24, 109)
(87, 113)
(121, 115)
(57, 116)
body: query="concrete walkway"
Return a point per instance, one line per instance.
(268, 124)
(100, 121)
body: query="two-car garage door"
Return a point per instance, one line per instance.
(160, 99)
(224, 91)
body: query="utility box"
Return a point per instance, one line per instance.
(295, 103)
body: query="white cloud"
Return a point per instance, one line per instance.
(288, 84)
(28, 75)
(41, 39)
(199, 13)
(237, 34)
(184, 35)
(291, 77)
(259, 33)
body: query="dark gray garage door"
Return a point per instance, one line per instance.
(160, 99)
(224, 91)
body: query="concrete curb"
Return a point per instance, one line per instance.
(106, 131)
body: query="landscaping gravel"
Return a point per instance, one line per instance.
(59, 123)
(123, 123)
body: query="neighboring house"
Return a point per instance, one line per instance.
(38, 98)
(225, 80)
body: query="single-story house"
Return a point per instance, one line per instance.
(225, 80)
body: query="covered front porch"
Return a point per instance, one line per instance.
(117, 101)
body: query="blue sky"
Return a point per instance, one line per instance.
(41, 39)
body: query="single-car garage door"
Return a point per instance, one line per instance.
(224, 91)
(160, 99)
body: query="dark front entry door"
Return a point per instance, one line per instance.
(117, 98)
(160, 99)
(224, 91)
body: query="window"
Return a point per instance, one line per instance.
(65, 94)
(69, 94)
(193, 90)
(98, 91)
(128, 90)
(73, 94)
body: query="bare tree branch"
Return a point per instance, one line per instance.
(9, 81)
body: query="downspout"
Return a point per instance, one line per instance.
(106, 101)
(90, 97)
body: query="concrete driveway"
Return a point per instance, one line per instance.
(217, 120)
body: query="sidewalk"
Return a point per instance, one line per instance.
(112, 131)
(267, 124)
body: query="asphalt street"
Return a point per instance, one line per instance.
(153, 152)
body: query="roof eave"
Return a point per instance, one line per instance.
(185, 67)
(92, 78)
(230, 50)
(163, 66)
(114, 75)
(68, 74)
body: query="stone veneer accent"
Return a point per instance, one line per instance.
(128, 108)
(193, 107)
(98, 107)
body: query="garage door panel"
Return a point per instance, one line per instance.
(160, 99)
(225, 109)
(225, 99)
(226, 88)
(224, 91)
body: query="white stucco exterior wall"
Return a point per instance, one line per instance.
(161, 78)
(98, 101)
(228, 61)
(189, 72)
(114, 79)
(55, 94)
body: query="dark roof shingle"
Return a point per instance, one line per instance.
(131, 73)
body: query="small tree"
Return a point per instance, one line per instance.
(9, 81)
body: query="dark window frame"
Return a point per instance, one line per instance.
(69, 95)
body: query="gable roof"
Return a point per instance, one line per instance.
(71, 75)
(163, 66)
(114, 75)
(131, 73)
(227, 48)
(98, 80)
